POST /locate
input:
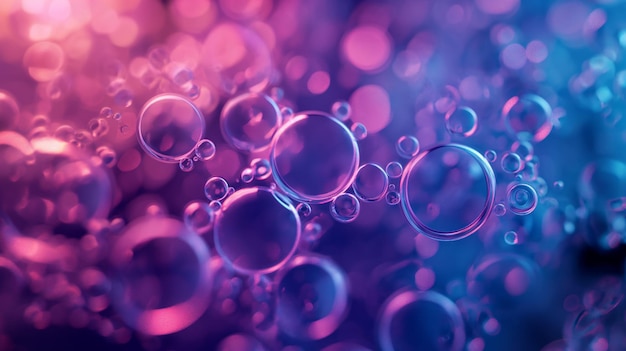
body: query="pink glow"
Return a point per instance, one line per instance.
(367, 48)
(318, 82)
(516, 281)
(371, 107)
(497, 7)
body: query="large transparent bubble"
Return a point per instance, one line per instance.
(162, 282)
(170, 127)
(314, 157)
(413, 320)
(47, 182)
(312, 297)
(256, 230)
(448, 192)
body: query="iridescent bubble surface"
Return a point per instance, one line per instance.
(371, 182)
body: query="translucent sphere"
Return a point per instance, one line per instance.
(462, 121)
(407, 146)
(511, 238)
(304, 209)
(491, 156)
(412, 320)
(499, 210)
(186, 165)
(249, 121)
(345, 208)
(394, 170)
(198, 217)
(359, 131)
(205, 150)
(314, 157)
(524, 149)
(235, 59)
(371, 182)
(240, 342)
(44, 60)
(216, 188)
(261, 168)
(448, 192)
(48, 182)
(392, 197)
(511, 162)
(522, 199)
(9, 110)
(311, 297)
(161, 282)
(528, 117)
(341, 110)
(169, 127)
(256, 230)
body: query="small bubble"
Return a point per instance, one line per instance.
(359, 131)
(277, 94)
(205, 150)
(304, 209)
(158, 57)
(462, 121)
(193, 92)
(117, 116)
(98, 127)
(312, 231)
(65, 133)
(524, 149)
(394, 170)
(215, 205)
(106, 112)
(286, 112)
(407, 146)
(247, 175)
(559, 185)
(186, 164)
(345, 208)
(511, 162)
(341, 110)
(491, 156)
(522, 199)
(123, 98)
(393, 198)
(124, 129)
(499, 210)
(261, 168)
(216, 189)
(511, 238)
(108, 156)
(198, 216)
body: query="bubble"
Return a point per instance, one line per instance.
(528, 117)
(107, 155)
(286, 112)
(106, 112)
(447, 192)
(249, 121)
(198, 217)
(117, 116)
(491, 156)
(98, 127)
(407, 146)
(345, 208)
(392, 197)
(558, 185)
(247, 175)
(359, 131)
(412, 320)
(205, 150)
(371, 182)
(314, 157)
(268, 236)
(511, 162)
(240, 342)
(236, 59)
(44, 60)
(524, 149)
(499, 210)
(462, 121)
(522, 199)
(511, 238)
(394, 170)
(162, 283)
(304, 209)
(341, 110)
(9, 110)
(311, 297)
(47, 182)
(216, 189)
(261, 168)
(65, 133)
(186, 165)
(170, 127)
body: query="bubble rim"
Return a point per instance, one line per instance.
(319, 198)
(469, 229)
(380, 196)
(533, 192)
(142, 142)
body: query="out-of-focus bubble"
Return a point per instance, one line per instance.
(98, 127)
(44, 60)
(162, 283)
(523, 149)
(268, 236)
(448, 192)
(601, 182)
(491, 156)
(205, 150)
(345, 208)
(528, 117)
(462, 121)
(314, 157)
(198, 217)
(394, 170)
(249, 121)
(107, 155)
(169, 127)
(9, 110)
(216, 188)
(240, 342)
(359, 131)
(371, 107)
(392, 197)
(311, 297)
(304, 209)
(504, 281)
(511, 162)
(236, 59)
(511, 238)
(367, 48)
(47, 181)
(522, 199)
(412, 320)
(261, 168)
(499, 210)
(341, 110)
(186, 164)
(497, 7)
(371, 182)
(407, 146)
